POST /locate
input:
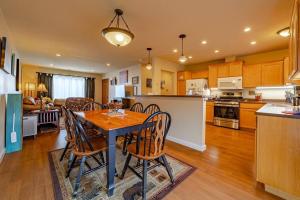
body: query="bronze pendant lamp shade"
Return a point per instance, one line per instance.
(116, 35)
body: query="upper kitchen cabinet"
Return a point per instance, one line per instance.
(212, 76)
(294, 68)
(236, 68)
(183, 75)
(199, 74)
(223, 70)
(272, 74)
(252, 75)
(286, 72)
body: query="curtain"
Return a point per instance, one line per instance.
(90, 88)
(68, 86)
(47, 80)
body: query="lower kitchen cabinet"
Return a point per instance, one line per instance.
(248, 115)
(209, 111)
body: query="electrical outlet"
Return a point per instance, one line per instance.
(13, 137)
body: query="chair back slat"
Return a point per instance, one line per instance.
(157, 126)
(152, 108)
(67, 121)
(137, 107)
(93, 106)
(81, 141)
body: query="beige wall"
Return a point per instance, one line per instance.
(248, 59)
(168, 78)
(7, 84)
(29, 75)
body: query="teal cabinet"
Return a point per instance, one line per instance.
(13, 125)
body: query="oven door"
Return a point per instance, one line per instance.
(226, 116)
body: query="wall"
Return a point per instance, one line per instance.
(168, 78)
(160, 65)
(248, 59)
(133, 71)
(7, 85)
(29, 75)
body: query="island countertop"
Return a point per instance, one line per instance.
(277, 109)
(199, 96)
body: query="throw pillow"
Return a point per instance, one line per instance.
(29, 100)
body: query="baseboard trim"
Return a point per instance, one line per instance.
(187, 144)
(280, 193)
(2, 153)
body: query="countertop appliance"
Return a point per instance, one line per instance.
(227, 110)
(196, 87)
(230, 83)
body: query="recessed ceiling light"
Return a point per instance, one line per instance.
(284, 32)
(51, 65)
(253, 42)
(107, 64)
(58, 55)
(247, 29)
(175, 50)
(190, 57)
(204, 42)
(217, 51)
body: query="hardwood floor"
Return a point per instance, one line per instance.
(224, 171)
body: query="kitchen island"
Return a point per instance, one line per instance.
(278, 150)
(188, 117)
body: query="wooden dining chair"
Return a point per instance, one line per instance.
(152, 149)
(137, 107)
(94, 106)
(152, 108)
(70, 134)
(85, 147)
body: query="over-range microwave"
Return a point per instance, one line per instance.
(230, 83)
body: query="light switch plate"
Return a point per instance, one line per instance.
(13, 137)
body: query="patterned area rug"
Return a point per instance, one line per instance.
(93, 185)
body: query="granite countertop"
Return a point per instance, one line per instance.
(277, 109)
(199, 96)
(263, 101)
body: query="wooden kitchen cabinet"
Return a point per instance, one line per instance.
(286, 72)
(272, 74)
(183, 75)
(181, 87)
(212, 76)
(251, 76)
(199, 74)
(248, 114)
(236, 68)
(209, 111)
(277, 155)
(223, 70)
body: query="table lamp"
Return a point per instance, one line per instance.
(42, 89)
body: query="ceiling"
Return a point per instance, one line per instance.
(72, 28)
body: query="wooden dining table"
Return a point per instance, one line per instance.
(113, 125)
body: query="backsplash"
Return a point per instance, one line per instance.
(267, 92)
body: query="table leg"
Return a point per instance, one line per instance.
(111, 161)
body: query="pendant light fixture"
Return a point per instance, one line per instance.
(116, 35)
(149, 66)
(182, 58)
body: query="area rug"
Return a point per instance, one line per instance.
(93, 185)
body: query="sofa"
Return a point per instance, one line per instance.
(77, 103)
(31, 104)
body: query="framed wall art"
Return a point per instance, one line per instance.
(123, 76)
(135, 80)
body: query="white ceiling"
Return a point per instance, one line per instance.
(42, 28)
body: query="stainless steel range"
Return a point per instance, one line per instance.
(227, 110)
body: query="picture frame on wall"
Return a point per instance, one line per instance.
(5, 63)
(135, 80)
(13, 64)
(123, 75)
(149, 82)
(113, 81)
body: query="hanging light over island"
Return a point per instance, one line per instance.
(182, 58)
(149, 66)
(116, 35)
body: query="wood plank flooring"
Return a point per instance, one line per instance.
(224, 171)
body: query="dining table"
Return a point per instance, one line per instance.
(113, 124)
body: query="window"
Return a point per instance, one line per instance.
(68, 86)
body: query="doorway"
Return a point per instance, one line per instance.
(167, 82)
(105, 91)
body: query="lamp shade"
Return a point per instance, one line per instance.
(117, 36)
(42, 88)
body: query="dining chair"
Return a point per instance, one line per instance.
(94, 106)
(84, 148)
(150, 149)
(70, 136)
(152, 108)
(137, 107)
